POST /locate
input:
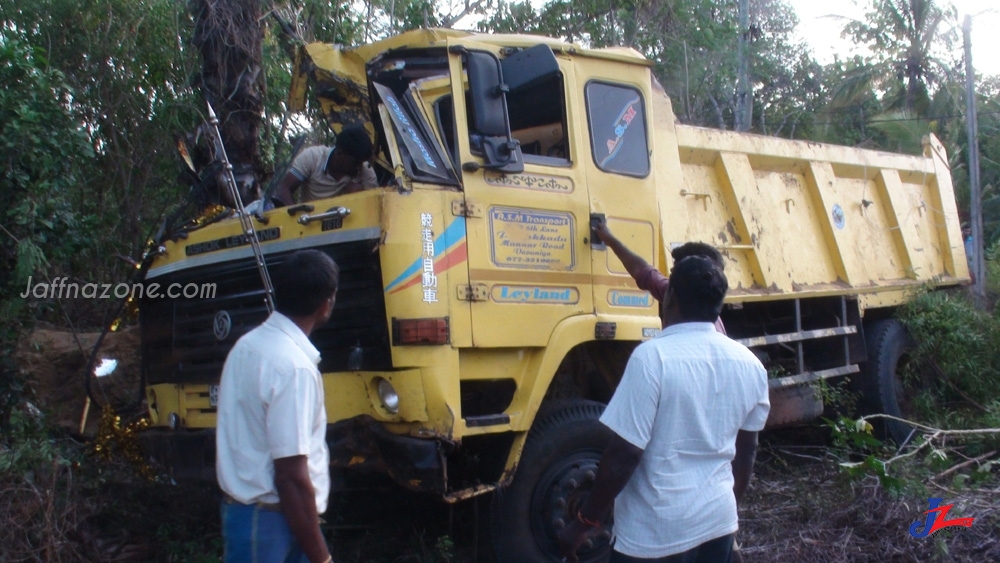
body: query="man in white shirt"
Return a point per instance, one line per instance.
(272, 460)
(328, 171)
(685, 419)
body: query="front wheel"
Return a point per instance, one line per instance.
(554, 477)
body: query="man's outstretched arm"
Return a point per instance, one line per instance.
(634, 264)
(286, 186)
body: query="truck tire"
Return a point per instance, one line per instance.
(553, 479)
(881, 382)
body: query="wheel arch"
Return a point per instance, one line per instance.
(571, 340)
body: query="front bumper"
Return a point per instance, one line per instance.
(357, 444)
(363, 444)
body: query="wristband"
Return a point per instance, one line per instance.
(584, 521)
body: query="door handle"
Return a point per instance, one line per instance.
(595, 241)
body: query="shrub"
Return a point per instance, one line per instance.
(957, 342)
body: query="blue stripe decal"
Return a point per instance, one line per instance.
(453, 234)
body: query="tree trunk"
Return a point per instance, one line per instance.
(744, 95)
(230, 36)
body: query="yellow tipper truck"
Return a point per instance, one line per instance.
(480, 327)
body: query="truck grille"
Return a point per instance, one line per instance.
(178, 337)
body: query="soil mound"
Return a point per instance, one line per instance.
(54, 361)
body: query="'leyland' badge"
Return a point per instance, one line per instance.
(222, 325)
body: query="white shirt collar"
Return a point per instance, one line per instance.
(688, 327)
(326, 161)
(287, 326)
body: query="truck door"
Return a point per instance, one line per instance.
(527, 222)
(618, 161)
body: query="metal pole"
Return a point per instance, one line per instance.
(245, 222)
(976, 199)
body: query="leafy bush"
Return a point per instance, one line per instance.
(957, 342)
(67, 500)
(39, 141)
(993, 270)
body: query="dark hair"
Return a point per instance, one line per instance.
(304, 281)
(354, 141)
(698, 249)
(699, 286)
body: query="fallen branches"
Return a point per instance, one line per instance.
(963, 465)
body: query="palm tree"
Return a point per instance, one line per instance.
(903, 37)
(230, 36)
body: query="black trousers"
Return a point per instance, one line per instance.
(719, 550)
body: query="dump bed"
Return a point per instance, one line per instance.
(797, 217)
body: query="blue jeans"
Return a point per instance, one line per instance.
(254, 534)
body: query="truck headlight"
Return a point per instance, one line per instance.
(387, 394)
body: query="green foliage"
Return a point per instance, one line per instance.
(29, 447)
(178, 545)
(94, 92)
(993, 269)
(905, 38)
(957, 342)
(955, 372)
(864, 451)
(39, 143)
(854, 434)
(444, 547)
(838, 395)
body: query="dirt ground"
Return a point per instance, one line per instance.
(800, 508)
(54, 362)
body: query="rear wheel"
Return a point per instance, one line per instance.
(882, 385)
(554, 477)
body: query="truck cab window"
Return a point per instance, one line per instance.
(535, 103)
(444, 114)
(617, 119)
(538, 121)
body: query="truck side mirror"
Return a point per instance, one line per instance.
(486, 89)
(490, 124)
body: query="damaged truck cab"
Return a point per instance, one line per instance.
(480, 327)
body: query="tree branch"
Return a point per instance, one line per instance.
(964, 464)
(469, 8)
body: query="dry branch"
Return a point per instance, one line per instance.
(964, 464)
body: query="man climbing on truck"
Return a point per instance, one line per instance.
(646, 276)
(327, 171)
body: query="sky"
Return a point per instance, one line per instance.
(822, 32)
